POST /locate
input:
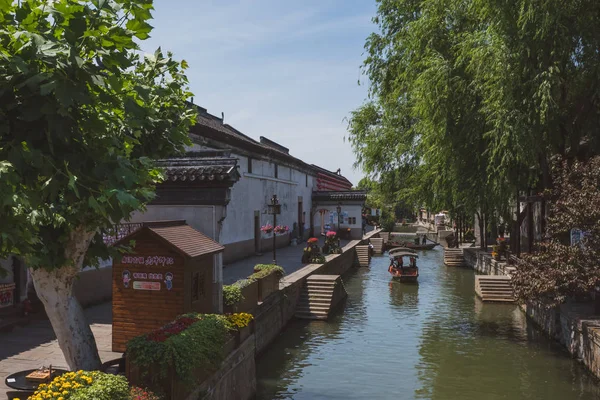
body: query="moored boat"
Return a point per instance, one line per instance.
(398, 269)
(412, 246)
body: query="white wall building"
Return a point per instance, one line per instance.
(266, 169)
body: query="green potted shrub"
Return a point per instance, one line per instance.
(179, 355)
(232, 297)
(268, 277)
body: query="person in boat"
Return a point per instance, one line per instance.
(413, 262)
(424, 239)
(401, 262)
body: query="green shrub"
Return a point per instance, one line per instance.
(388, 223)
(242, 283)
(261, 270)
(232, 295)
(199, 346)
(104, 387)
(317, 259)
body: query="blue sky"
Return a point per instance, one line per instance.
(286, 70)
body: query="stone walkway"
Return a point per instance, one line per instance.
(35, 345)
(290, 258)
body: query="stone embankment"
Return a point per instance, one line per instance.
(236, 379)
(573, 325)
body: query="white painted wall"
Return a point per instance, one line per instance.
(253, 192)
(201, 218)
(353, 210)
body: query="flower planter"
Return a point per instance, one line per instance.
(172, 385)
(230, 346)
(245, 333)
(229, 309)
(268, 285)
(250, 294)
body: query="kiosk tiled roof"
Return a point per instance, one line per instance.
(179, 235)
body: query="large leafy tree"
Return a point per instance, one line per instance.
(469, 99)
(82, 115)
(561, 270)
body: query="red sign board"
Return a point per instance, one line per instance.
(144, 285)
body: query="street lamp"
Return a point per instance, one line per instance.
(274, 209)
(339, 211)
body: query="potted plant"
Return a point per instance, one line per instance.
(268, 277)
(312, 253)
(268, 228)
(179, 356)
(232, 296)
(495, 253)
(243, 323)
(332, 244)
(501, 245)
(281, 229)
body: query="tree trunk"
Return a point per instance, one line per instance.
(55, 289)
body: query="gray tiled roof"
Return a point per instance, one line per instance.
(341, 195)
(201, 166)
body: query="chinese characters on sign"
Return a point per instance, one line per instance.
(150, 260)
(150, 276)
(145, 285)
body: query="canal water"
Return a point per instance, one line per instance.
(431, 340)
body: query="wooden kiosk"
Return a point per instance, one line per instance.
(168, 273)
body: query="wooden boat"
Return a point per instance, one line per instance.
(412, 246)
(408, 273)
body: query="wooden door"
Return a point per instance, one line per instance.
(300, 221)
(257, 231)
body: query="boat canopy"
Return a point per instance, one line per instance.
(404, 254)
(401, 250)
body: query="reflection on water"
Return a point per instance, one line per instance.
(431, 340)
(404, 296)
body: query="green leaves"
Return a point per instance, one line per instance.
(81, 117)
(139, 28)
(469, 100)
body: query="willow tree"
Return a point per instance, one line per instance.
(472, 98)
(81, 116)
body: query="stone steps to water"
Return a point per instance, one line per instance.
(385, 236)
(454, 257)
(497, 288)
(377, 245)
(311, 315)
(364, 256)
(318, 295)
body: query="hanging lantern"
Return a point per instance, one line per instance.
(274, 207)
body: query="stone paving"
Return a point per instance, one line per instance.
(290, 258)
(35, 345)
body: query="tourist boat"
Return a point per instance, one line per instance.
(411, 246)
(408, 272)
